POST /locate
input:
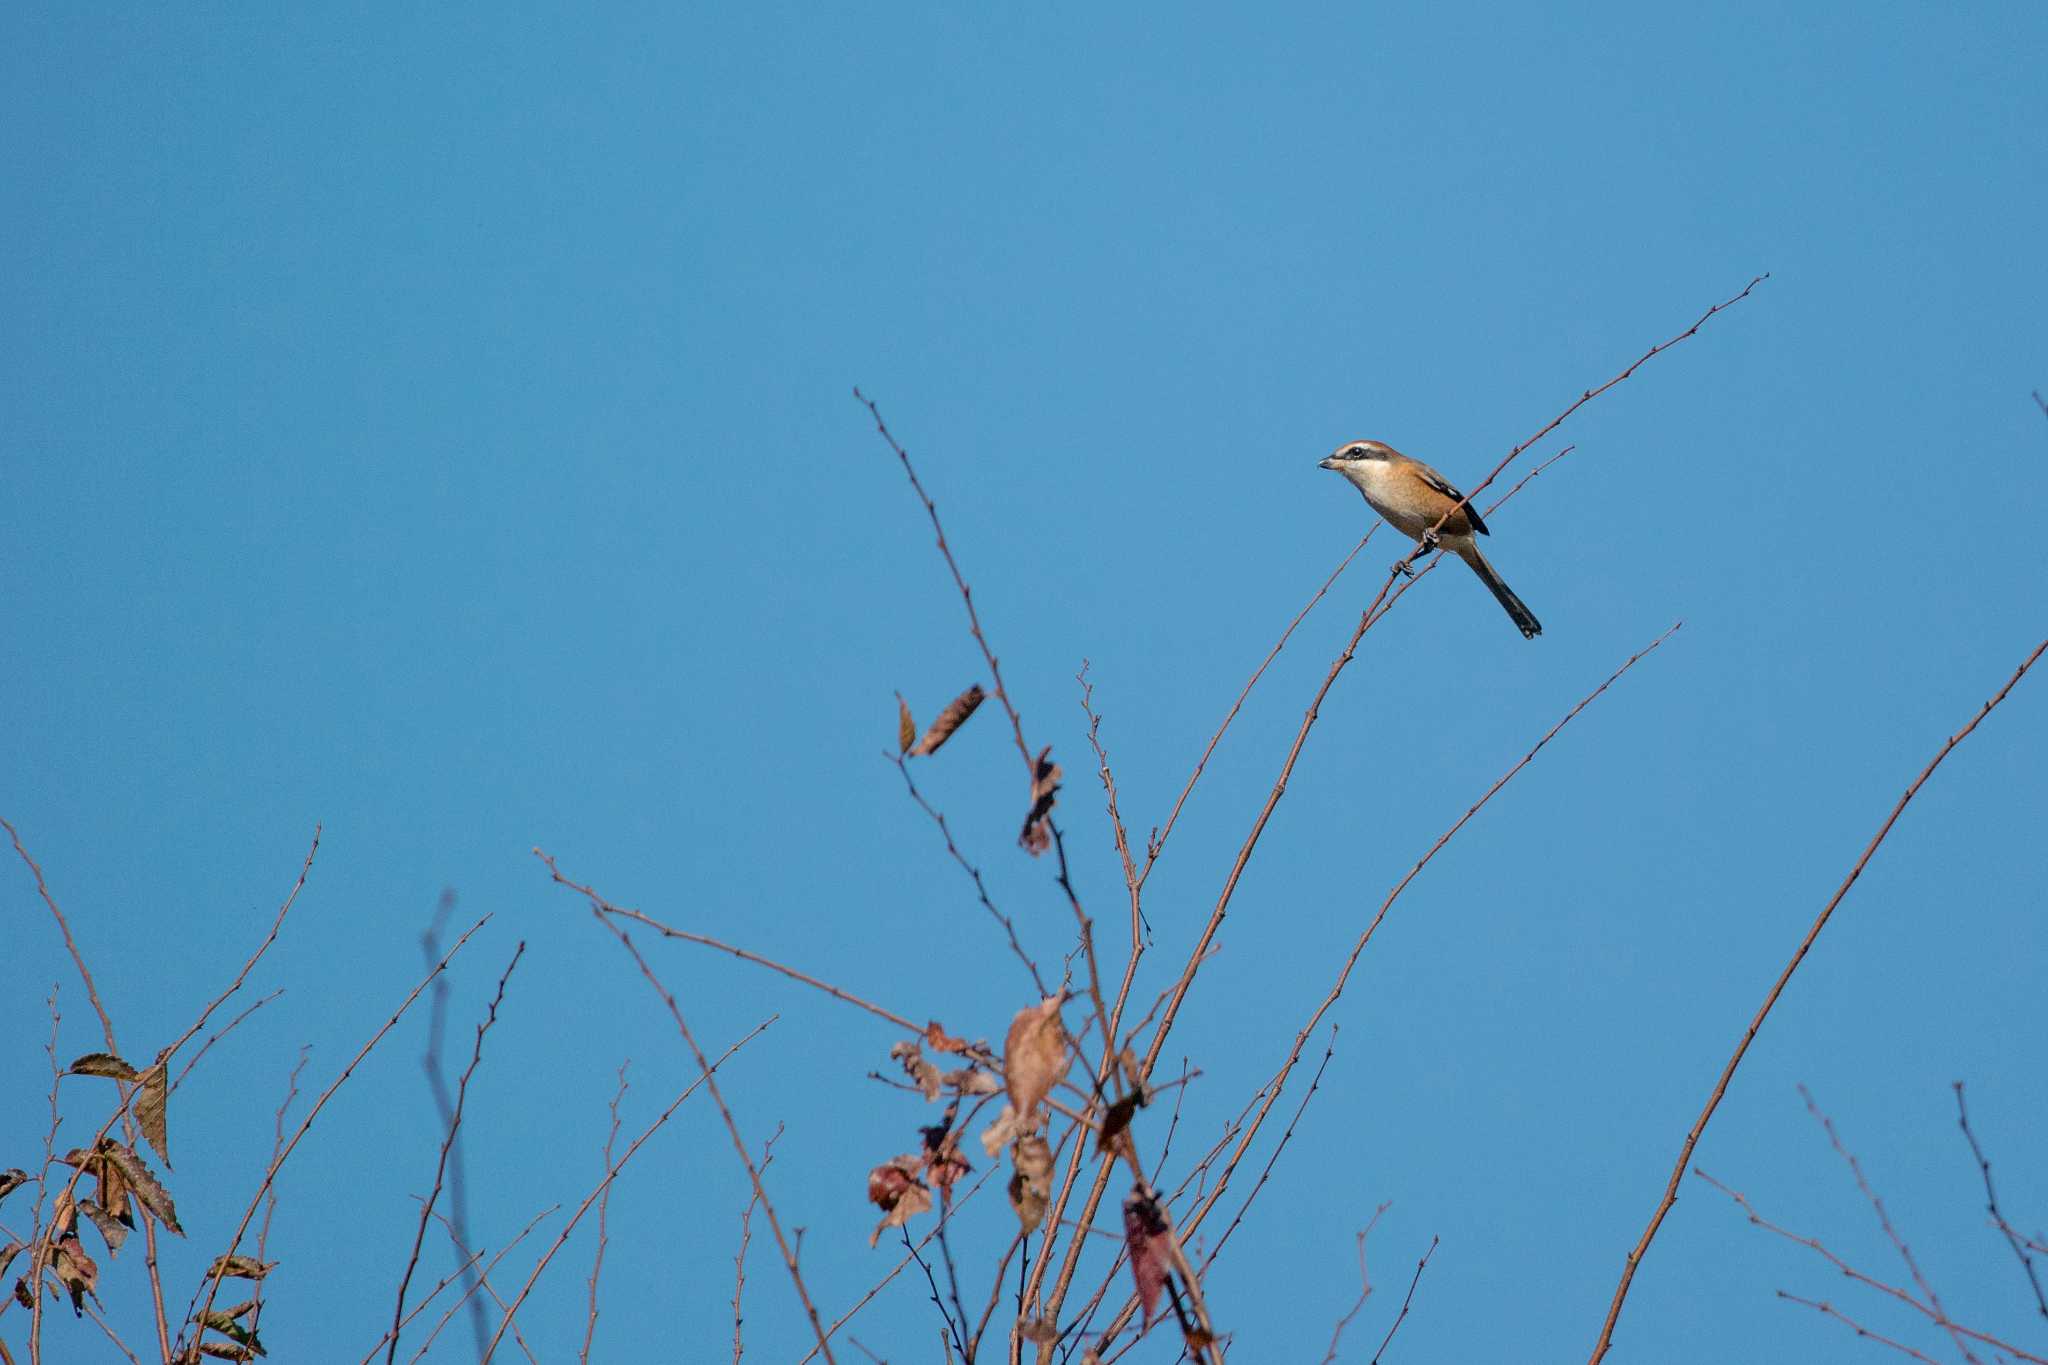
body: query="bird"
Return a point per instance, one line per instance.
(1414, 498)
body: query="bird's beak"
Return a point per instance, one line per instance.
(1327, 462)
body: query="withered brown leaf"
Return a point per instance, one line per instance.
(894, 1188)
(917, 1067)
(1035, 1055)
(906, 728)
(149, 1110)
(228, 1350)
(1031, 1185)
(103, 1064)
(952, 718)
(1045, 784)
(111, 1228)
(12, 1179)
(941, 1041)
(1149, 1243)
(77, 1271)
(1116, 1120)
(143, 1182)
(239, 1267)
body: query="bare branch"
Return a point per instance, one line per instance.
(2019, 1246)
(476, 1057)
(1692, 1138)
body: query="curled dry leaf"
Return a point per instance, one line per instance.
(1045, 784)
(1148, 1241)
(917, 1068)
(894, 1188)
(906, 728)
(952, 718)
(239, 1267)
(12, 1179)
(77, 1271)
(138, 1178)
(9, 1252)
(111, 1228)
(1031, 1184)
(103, 1064)
(149, 1110)
(1035, 1056)
(228, 1350)
(939, 1040)
(63, 1215)
(1116, 1121)
(947, 1165)
(973, 1081)
(21, 1294)
(999, 1134)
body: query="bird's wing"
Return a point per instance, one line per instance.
(1443, 486)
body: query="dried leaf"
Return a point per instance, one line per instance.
(1148, 1241)
(103, 1064)
(943, 1161)
(999, 1134)
(11, 1180)
(228, 1350)
(147, 1188)
(1116, 1121)
(1031, 1185)
(906, 728)
(223, 1321)
(939, 1040)
(149, 1110)
(952, 718)
(63, 1215)
(240, 1310)
(1035, 1055)
(894, 1187)
(239, 1267)
(111, 1228)
(21, 1294)
(8, 1253)
(1045, 784)
(973, 1081)
(77, 1271)
(917, 1068)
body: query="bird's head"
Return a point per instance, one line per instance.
(1353, 452)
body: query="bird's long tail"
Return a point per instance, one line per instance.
(1524, 619)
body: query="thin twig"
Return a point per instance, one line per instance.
(213, 1282)
(1692, 1138)
(224, 1031)
(610, 1175)
(1848, 1271)
(605, 912)
(2012, 1238)
(604, 1207)
(1884, 1219)
(448, 1143)
(481, 1281)
(270, 1200)
(973, 872)
(739, 1261)
(1858, 1328)
(1364, 1285)
(966, 594)
(1315, 1083)
(1402, 1316)
(666, 931)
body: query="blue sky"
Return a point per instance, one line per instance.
(437, 425)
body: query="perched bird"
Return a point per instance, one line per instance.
(1414, 498)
